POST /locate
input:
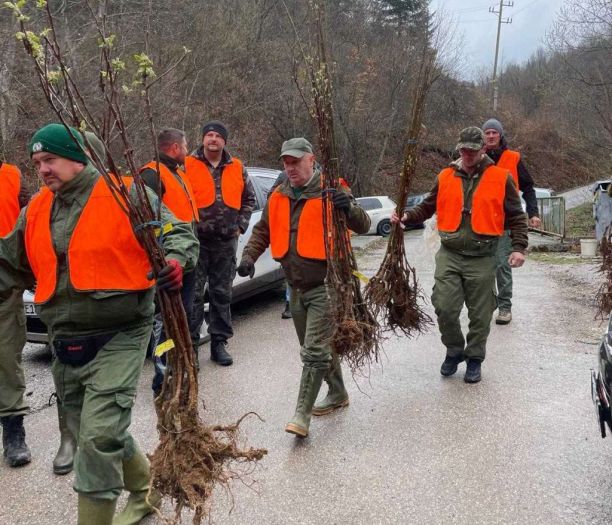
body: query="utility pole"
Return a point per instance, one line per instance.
(500, 21)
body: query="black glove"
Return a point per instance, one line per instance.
(246, 267)
(341, 201)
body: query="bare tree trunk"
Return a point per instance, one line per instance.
(7, 107)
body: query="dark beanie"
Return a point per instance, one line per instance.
(495, 124)
(56, 139)
(217, 126)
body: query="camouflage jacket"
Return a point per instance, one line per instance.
(303, 274)
(219, 221)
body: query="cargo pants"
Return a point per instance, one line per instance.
(12, 341)
(313, 325)
(504, 272)
(461, 279)
(98, 399)
(217, 266)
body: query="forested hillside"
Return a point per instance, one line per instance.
(246, 68)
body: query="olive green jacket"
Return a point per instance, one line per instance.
(302, 274)
(73, 313)
(465, 240)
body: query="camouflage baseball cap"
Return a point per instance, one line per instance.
(297, 147)
(471, 138)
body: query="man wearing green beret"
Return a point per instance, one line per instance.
(93, 293)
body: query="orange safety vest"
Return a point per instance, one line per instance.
(178, 195)
(310, 234)
(103, 253)
(487, 213)
(509, 160)
(10, 184)
(232, 183)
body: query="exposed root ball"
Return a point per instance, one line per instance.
(191, 458)
(394, 293)
(189, 464)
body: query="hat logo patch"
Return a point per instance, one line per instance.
(37, 146)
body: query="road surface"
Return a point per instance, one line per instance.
(521, 447)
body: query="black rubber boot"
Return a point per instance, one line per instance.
(472, 372)
(64, 459)
(16, 452)
(286, 312)
(219, 354)
(449, 366)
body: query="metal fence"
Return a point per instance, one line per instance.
(552, 214)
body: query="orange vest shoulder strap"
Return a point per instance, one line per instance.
(449, 203)
(201, 181)
(510, 160)
(232, 184)
(279, 220)
(39, 245)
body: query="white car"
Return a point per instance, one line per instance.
(379, 208)
(540, 193)
(268, 272)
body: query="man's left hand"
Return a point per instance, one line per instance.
(341, 201)
(516, 259)
(535, 222)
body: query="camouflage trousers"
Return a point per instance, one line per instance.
(12, 340)
(217, 267)
(98, 399)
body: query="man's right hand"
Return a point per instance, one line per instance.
(245, 268)
(396, 219)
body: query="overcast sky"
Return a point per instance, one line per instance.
(519, 40)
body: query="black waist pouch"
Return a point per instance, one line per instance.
(78, 351)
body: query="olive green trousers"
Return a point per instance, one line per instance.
(313, 325)
(98, 399)
(461, 279)
(12, 340)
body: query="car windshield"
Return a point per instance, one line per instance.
(369, 203)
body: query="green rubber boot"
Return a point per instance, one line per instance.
(337, 396)
(95, 511)
(64, 459)
(309, 389)
(136, 478)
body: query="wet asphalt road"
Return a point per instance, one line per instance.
(521, 447)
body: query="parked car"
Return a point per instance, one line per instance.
(379, 209)
(268, 272)
(413, 201)
(601, 382)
